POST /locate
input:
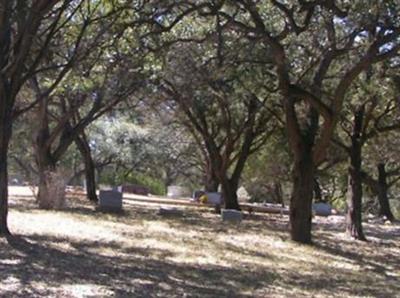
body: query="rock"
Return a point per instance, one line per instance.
(231, 215)
(110, 200)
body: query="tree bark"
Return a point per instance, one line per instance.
(51, 188)
(5, 135)
(354, 203)
(211, 183)
(302, 143)
(301, 199)
(278, 196)
(229, 193)
(355, 191)
(90, 176)
(384, 205)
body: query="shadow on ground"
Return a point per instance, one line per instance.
(131, 275)
(39, 264)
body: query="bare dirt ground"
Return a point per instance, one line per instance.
(79, 252)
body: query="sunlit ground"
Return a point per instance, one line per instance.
(79, 252)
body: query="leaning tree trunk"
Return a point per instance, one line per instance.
(355, 192)
(229, 193)
(84, 149)
(302, 195)
(384, 205)
(5, 135)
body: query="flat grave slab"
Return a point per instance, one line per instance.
(170, 211)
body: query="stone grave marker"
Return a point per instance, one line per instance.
(110, 200)
(322, 209)
(231, 215)
(214, 198)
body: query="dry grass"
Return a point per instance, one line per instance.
(79, 252)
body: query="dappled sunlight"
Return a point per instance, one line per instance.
(199, 148)
(86, 253)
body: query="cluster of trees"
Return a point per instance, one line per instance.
(216, 93)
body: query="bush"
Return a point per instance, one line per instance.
(155, 186)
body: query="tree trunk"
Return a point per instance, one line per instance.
(5, 135)
(355, 191)
(90, 176)
(301, 199)
(277, 192)
(384, 205)
(51, 192)
(211, 183)
(354, 203)
(51, 188)
(229, 189)
(43, 195)
(317, 191)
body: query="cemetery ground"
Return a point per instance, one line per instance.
(79, 252)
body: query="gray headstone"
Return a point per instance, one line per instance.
(170, 211)
(231, 215)
(110, 200)
(214, 198)
(322, 209)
